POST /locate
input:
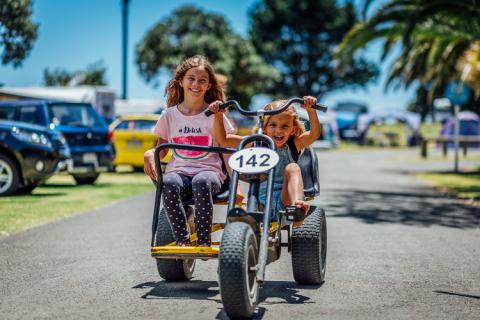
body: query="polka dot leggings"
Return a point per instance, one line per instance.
(178, 188)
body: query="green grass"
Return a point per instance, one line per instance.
(377, 134)
(430, 130)
(60, 197)
(464, 185)
(390, 136)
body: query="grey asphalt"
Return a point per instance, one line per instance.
(397, 249)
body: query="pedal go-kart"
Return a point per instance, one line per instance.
(250, 239)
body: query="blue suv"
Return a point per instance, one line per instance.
(29, 154)
(82, 127)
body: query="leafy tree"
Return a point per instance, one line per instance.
(17, 31)
(57, 77)
(190, 31)
(469, 66)
(94, 75)
(299, 37)
(438, 38)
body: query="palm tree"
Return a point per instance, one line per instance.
(434, 36)
(469, 67)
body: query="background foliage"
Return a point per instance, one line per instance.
(190, 31)
(17, 31)
(299, 37)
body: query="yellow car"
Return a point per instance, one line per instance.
(132, 136)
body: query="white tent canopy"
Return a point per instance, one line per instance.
(411, 119)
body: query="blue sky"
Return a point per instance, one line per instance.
(76, 33)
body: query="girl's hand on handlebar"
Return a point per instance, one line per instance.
(214, 107)
(309, 102)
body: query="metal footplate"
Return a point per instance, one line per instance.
(171, 251)
(174, 252)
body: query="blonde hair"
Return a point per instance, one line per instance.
(289, 111)
(174, 91)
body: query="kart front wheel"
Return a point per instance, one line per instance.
(309, 249)
(238, 259)
(172, 269)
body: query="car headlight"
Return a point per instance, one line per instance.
(31, 137)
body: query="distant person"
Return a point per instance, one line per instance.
(290, 136)
(190, 174)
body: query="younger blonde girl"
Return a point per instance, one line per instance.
(287, 131)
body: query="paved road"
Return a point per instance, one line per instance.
(397, 250)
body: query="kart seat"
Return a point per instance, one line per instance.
(308, 163)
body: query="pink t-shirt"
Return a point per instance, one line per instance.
(175, 127)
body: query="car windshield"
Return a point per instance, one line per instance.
(137, 125)
(7, 112)
(82, 115)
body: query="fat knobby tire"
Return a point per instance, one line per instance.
(235, 260)
(309, 249)
(170, 269)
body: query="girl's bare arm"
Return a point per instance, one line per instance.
(224, 139)
(309, 137)
(149, 160)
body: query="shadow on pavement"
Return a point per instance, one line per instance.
(273, 292)
(259, 314)
(277, 292)
(286, 291)
(194, 289)
(415, 208)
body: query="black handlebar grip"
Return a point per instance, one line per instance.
(320, 107)
(225, 105)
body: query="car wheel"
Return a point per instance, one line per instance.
(138, 169)
(28, 188)
(86, 179)
(9, 176)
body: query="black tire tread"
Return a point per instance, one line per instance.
(232, 259)
(306, 257)
(168, 269)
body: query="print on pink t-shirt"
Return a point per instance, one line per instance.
(175, 127)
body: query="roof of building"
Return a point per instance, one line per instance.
(71, 94)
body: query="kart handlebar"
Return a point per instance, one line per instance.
(319, 107)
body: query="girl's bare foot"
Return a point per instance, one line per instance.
(305, 206)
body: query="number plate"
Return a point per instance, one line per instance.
(90, 157)
(134, 143)
(253, 160)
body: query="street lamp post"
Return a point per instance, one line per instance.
(124, 47)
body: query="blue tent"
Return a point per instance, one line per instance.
(469, 125)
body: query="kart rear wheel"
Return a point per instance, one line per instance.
(172, 269)
(309, 249)
(238, 259)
